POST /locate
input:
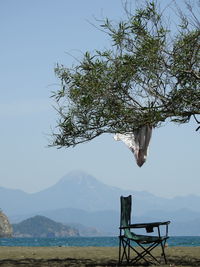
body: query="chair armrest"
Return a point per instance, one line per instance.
(145, 225)
(149, 226)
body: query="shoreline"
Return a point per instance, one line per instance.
(87, 256)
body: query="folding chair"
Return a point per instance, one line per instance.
(135, 247)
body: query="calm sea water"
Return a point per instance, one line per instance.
(190, 241)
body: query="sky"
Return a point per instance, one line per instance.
(35, 36)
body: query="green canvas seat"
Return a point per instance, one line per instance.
(129, 241)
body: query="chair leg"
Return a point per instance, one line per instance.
(125, 247)
(120, 243)
(129, 243)
(123, 253)
(139, 256)
(125, 244)
(163, 251)
(145, 251)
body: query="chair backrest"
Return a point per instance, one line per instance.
(125, 217)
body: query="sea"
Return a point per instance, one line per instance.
(185, 241)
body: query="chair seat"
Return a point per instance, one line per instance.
(144, 239)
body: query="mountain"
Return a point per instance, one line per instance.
(88, 231)
(40, 226)
(91, 223)
(76, 190)
(80, 198)
(5, 226)
(80, 191)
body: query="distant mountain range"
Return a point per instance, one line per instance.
(79, 198)
(40, 226)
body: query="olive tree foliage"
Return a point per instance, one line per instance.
(149, 75)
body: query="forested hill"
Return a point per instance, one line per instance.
(40, 226)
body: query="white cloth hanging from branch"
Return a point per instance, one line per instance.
(138, 142)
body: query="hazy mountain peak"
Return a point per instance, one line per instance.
(80, 178)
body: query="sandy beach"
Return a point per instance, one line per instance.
(87, 256)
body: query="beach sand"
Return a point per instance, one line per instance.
(87, 256)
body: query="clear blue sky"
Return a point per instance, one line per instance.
(35, 35)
